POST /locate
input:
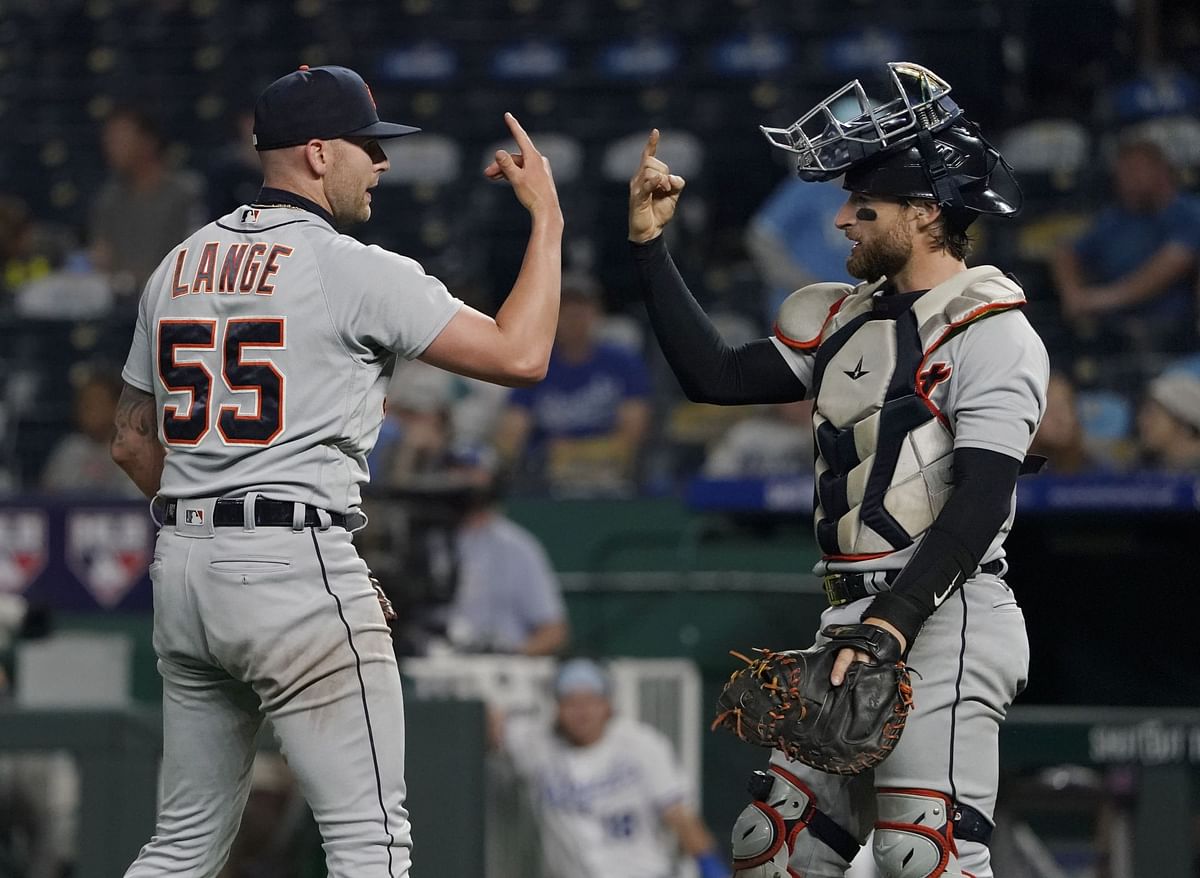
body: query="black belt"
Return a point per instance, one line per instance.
(845, 588)
(267, 513)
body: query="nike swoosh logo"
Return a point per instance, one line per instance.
(857, 372)
(954, 583)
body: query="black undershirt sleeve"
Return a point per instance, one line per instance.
(955, 542)
(708, 369)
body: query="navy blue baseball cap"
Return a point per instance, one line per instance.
(322, 103)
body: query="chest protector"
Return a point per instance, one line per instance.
(884, 448)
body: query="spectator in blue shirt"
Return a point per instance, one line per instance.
(508, 598)
(580, 431)
(794, 241)
(1132, 274)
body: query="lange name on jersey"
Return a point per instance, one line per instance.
(229, 268)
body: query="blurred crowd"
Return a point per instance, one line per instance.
(1111, 275)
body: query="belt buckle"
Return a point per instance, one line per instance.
(835, 595)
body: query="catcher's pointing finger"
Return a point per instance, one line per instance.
(651, 145)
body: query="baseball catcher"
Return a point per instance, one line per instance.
(927, 384)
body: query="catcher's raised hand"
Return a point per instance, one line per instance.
(653, 194)
(528, 171)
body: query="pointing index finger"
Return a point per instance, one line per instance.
(519, 134)
(651, 144)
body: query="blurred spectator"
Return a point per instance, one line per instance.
(1187, 364)
(508, 598)
(793, 240)
(495, 586)
(1131, 277)
(605, 787)
(39, 798)
(145, 208)
(580, 431)
(1060, 438)
(1169, 423)
(42, 273)
(39, 792)
(236, 174)
(69, 287)
(776, 440)
(81, 461)
(19, 262)
(467, 410)
(416, 433)
(1108, 419)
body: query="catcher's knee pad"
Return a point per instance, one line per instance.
(916, 832)
(764, 835)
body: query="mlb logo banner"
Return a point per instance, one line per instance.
(24, 548)
(108, 550)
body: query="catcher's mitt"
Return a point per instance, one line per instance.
(785, 700)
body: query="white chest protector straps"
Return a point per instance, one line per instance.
(884, 448)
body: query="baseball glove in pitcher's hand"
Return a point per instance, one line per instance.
(785, 700)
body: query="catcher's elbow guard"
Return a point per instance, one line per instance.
(764, 835)
(916, 832)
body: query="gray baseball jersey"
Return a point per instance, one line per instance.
(988, 383)
(267, 340)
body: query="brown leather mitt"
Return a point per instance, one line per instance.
(784, 700)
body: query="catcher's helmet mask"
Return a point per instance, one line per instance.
(914, 142)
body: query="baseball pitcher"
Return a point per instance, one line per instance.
(254, 391)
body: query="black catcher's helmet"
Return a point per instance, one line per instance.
(914, 142)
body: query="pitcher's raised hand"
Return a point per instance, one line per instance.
(527, 171)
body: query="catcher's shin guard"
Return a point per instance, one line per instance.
(916, 832)
(764, 835)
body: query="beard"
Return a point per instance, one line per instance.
(883, 257)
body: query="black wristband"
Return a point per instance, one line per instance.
(904, 613)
